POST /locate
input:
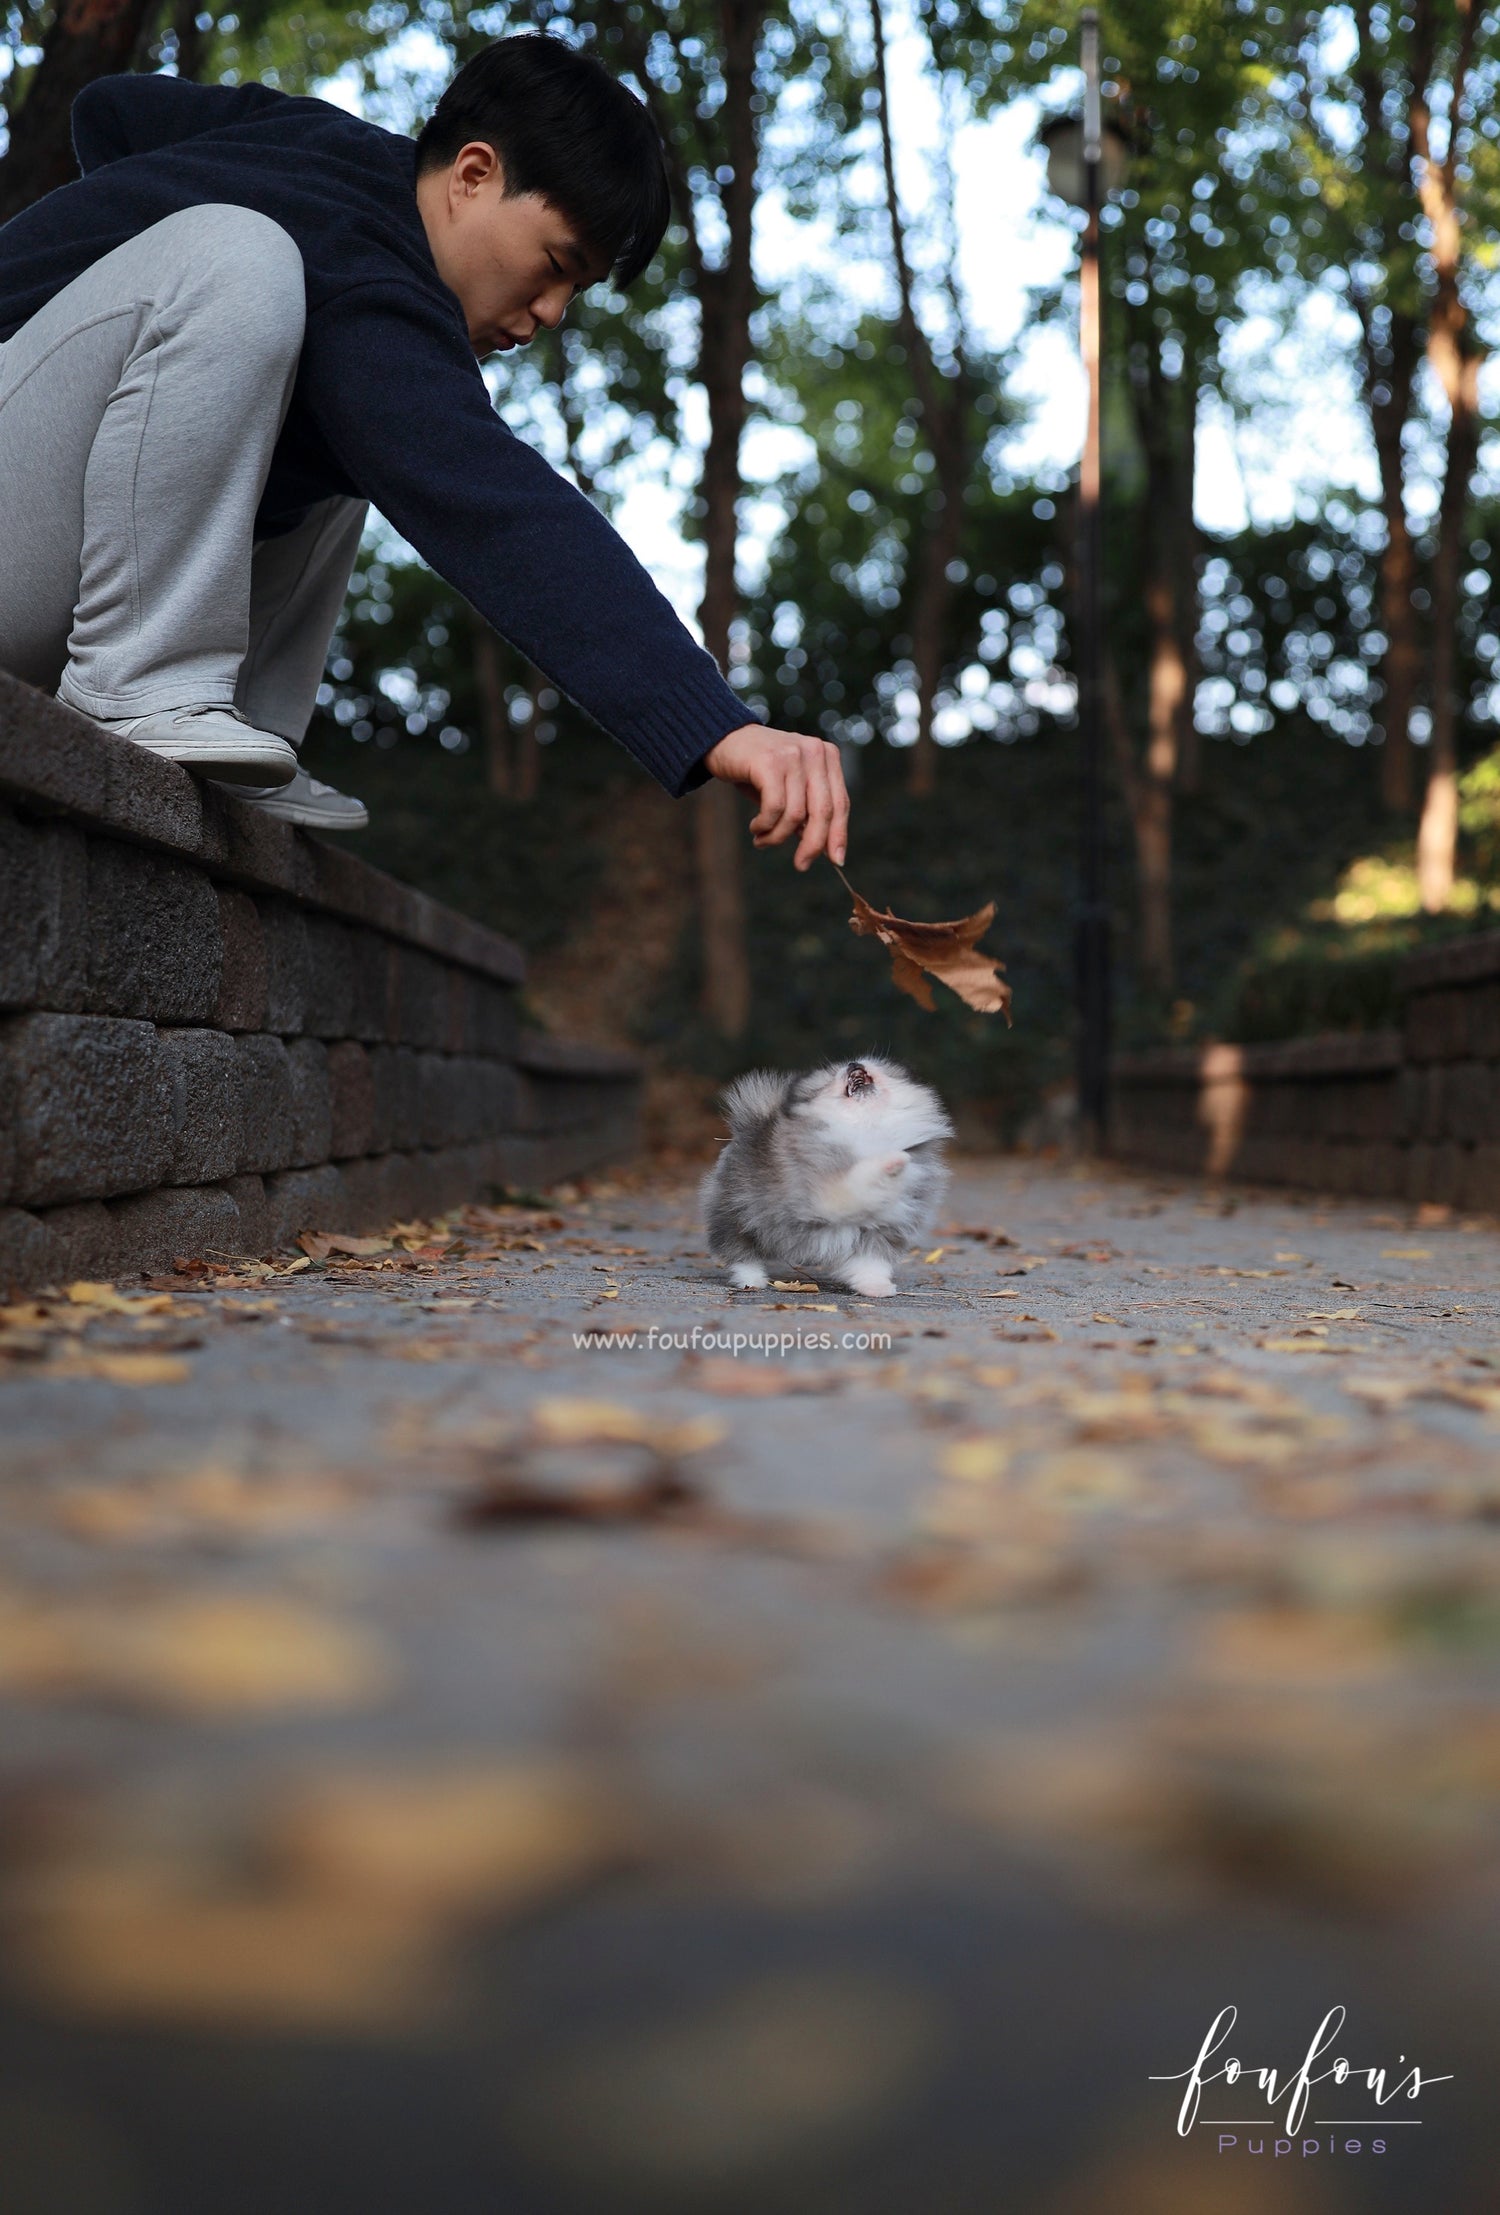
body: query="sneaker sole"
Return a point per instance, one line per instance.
(267, 765)
(310, 820)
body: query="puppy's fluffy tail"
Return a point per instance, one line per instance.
(753, 1098)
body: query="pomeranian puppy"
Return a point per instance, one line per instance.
(833, 1172)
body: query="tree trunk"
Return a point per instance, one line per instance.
(726, 299)
(1186, 572)
(88, 39)
(1168, 693)
(1454, 356)
(944, 404)
(1388, 386)
(493, 719)
(1437, 833)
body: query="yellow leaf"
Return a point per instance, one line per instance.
(976, 1460)
(611, 1423)
(132, 1369)
(793, 1284)
(936, 1254)
(1406, 1253)
(196, 1653)
(84, 1294)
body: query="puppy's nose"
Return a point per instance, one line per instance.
(857, 1081)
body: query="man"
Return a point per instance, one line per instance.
(253, 315)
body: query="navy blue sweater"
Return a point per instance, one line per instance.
(389, 401)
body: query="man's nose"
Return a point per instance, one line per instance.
(551, 306)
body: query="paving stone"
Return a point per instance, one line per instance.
(351, 1092)
(312, 1121)
(190, 1222)
(154, 947)
(242, 983)
(267, 1120)
(203, 1071)
(43, 914)
(89, 1103)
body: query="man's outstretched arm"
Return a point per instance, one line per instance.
(415, 430)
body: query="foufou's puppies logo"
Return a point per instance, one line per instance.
(1366, 2098)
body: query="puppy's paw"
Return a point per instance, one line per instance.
(896, 1166)
(748, 1276)
(872, 1278)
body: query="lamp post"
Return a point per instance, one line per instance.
(1077, 151)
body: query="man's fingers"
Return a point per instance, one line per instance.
(838, 835)
(793, 808)
(819, 808)
(771, 791)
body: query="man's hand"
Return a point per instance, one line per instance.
(799, 782)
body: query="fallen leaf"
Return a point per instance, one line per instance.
(611, 1423)
(944, 950)
(132, 1369)
(976, 1460)
(195, 1653)
(1406, 1253)
(729, 1379)
(793, 1284)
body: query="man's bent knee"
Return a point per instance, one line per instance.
(244, 254)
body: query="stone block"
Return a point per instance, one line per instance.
(1484, 1021)
(27, 1252)
(87, 1102)
(154, 948)
(329, 1008)
(419, 999)
(1481, 1185)
(285, 929)
(85, 1242)
(312, 1122)
(43, 914)
(1469, 1101)
(366, 1184)
(249, 1196)
(202, 1070)
(242, 980)
(351, 1097)
(397, 1083)
(496, 1021)
(498, 1085)
(1434, 1102)
(190, 1221)
(304, 1200)
(267, 1123)
(370, 1002)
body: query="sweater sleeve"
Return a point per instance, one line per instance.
(131, 114)
(404, 409)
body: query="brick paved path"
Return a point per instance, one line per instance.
(447, 1767)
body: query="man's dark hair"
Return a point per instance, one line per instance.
(567, 130)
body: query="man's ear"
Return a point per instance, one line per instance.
(474, 166)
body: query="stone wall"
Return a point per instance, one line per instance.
(1410, 1114)
(217, 1031)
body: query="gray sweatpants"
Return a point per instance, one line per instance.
(138, 412)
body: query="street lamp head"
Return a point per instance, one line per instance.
(1062, 140)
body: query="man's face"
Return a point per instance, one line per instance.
(515, 264)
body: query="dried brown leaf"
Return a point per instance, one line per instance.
(947, 951)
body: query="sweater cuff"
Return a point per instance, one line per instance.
(683, 725)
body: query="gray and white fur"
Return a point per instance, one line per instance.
(833, 1173)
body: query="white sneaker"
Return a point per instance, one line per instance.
(316, 806)
(216, 740)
